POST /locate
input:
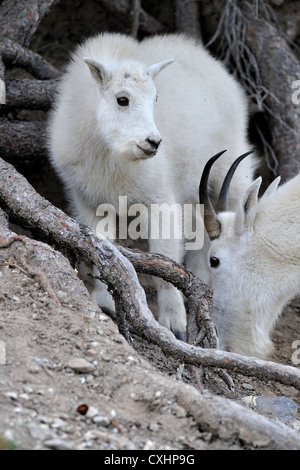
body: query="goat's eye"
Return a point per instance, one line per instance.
(123, 101)
(214, 262)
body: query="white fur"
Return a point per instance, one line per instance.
(259, 271)
(95, 143)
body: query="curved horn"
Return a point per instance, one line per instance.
(222, 204)
(211, 223)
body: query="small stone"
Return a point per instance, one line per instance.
(283, 408)
(130, 446)
(91, 412)
(58, 444)
(149, 445)
(12, 395)
(58, 423)
(296, 425)
(2, 353)
(9, 435)
(91, 352)
(247, 386)
(153, 427)
(81, 366)
(40, 432)
(34, 369)
(24, 396)
(101, 421)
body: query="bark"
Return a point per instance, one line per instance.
(225, 418)
(18, 23)
(279, 68)
(199, 296)
(125, 8)
(187, 18)
(29, 94)
(16, 55)
(22, 140)
(19, 19)
(25, 206)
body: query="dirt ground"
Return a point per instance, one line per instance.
(131, 391)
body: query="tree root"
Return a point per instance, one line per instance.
(25, 206)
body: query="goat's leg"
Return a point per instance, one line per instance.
(171, 310)
(105, 227)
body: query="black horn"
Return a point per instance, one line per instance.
(211, 223)
(222, 204)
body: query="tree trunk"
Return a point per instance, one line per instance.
(279, 67)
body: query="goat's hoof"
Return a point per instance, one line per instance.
(180, 336)
(109, 312)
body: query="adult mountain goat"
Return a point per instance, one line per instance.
(109, 138)
(254, 260)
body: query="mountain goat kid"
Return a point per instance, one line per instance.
(109, 138)
(254, 259)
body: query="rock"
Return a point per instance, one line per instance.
(11, 394)
(247, 386)
(101, 421)
(282, 408)
(91, 412)
(81, 366)
(40, 432)
(58, 444)
(2, 353)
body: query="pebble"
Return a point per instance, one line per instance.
(149, 445)
(58, 423)
(2, 353)
(81, 366)
(11, 394)
(58, 444)
(91, 412)
(40, 432)
(247, 386)
(101, 421)
(282, 408)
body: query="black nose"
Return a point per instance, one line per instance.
(154, 143)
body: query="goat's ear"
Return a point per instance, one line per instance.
(272, 187)
(154, 69)
(246, 213)
(99, 73)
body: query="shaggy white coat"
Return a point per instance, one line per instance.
(259, 270)
(101, 150)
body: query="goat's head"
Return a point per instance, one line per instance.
(254, 260)
(125, 112)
